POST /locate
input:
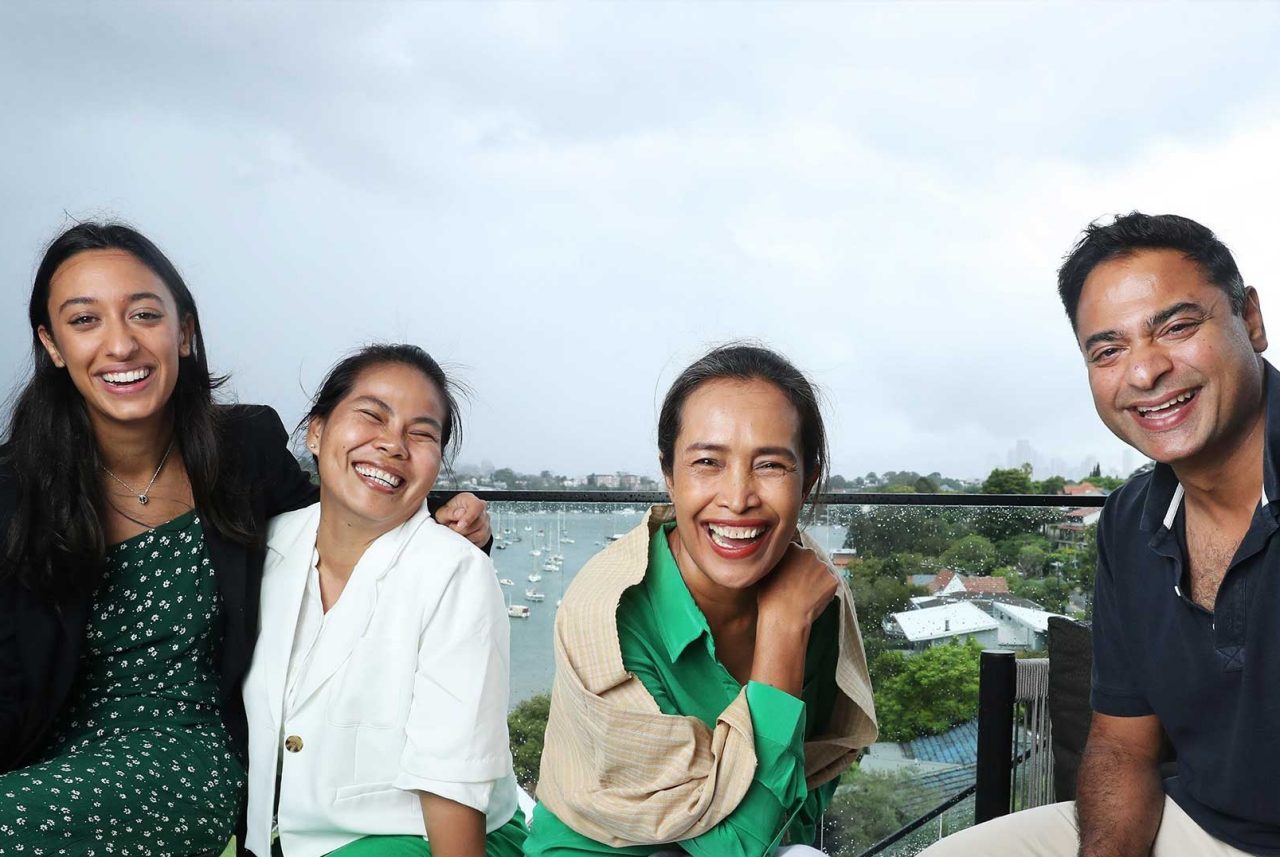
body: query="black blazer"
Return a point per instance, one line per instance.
(40, 641)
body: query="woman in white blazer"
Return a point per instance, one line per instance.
(377, 697)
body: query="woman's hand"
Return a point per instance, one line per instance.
(797, 591)
(788, 602)
(468, 515)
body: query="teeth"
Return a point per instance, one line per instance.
(382, 476)
(735, 532)
(1177, 400)
(125, 377)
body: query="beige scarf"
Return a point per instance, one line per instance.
(616, 769)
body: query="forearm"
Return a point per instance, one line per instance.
(779, 656)
(1119, 802)
(453, 829)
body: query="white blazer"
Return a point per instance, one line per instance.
(406, 690)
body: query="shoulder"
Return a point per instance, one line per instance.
(283, 529)
(1122, 513)
(246, 423)
(445, 548)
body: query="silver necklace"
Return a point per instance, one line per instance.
(142, 495)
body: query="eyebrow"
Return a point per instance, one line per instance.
(133, 298)
(374, 400)
(1151, 323)
(705, 446)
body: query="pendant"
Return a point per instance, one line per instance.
(142, 498)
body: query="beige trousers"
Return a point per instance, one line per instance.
(1050, 831)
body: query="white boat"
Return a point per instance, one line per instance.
(535, 552)
(616, 536)
(532, 594)
(506, 581)
(568, 541)
(535, 577)
(518, 611)
(550, 566)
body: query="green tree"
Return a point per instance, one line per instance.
(1013, 480)
(973, 554)
(925, 485)
(934, 690)
(879, 589)
(1007, 549)
(1051, 485)
(527, 724)
(505, 475)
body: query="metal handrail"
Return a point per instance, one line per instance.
(647, 498)
(828, 498)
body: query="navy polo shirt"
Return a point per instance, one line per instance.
(1213, 678)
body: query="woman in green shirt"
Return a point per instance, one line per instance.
(736, 691)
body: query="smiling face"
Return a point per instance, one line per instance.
(379, 450)
(115, 327)
(736, 483)
(1173, 371)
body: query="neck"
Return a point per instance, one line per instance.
(724, 608)
(133, 449)
(1230, 480)
(340, 544)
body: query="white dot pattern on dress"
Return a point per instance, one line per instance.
(141, 763)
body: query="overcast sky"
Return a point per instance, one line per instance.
(570, 202)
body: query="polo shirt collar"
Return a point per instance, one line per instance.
(682, 621)
(1165, 494)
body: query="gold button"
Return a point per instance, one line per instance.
(293, 743)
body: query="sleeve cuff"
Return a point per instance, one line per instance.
(474, 795)
(1114, 704)
(778, 720)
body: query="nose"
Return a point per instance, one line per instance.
(120, 341)
(738, 489)
(1147, 365)
(390, 442)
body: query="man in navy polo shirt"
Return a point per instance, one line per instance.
(1186, 622)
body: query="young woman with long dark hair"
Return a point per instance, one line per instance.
(132, 515)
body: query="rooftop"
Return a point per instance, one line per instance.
(949, 620)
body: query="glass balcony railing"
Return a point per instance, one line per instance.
(937, 578)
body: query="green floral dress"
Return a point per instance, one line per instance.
(141, 763)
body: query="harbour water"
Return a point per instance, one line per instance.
(532, 664)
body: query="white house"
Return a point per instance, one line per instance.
(1022, 627)
(934, 625)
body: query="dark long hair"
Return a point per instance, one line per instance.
(741, 361)
(338, 383)
(56, 541)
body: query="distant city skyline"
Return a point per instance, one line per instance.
(567, 203)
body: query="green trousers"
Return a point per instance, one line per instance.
(506, 841)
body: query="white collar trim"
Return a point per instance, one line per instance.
(1177, 501)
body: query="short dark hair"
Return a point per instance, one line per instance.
(342, 377)
(1130, 233)
(746, 362)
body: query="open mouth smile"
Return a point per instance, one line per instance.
(736, 540)
(126, 379)
(1167, 413)
(378, 478)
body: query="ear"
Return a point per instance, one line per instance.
(186, 336)
(315, 429)
(46, 339)
(666, 476)
(1253, 320)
